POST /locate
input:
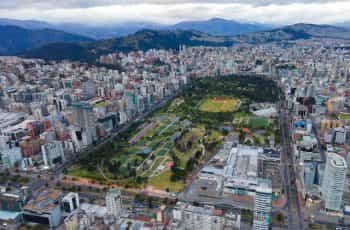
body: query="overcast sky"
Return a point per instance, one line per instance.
(171, 11)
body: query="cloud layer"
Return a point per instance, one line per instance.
(171, 11)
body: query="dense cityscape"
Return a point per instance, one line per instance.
(56, 112)
(162, 131)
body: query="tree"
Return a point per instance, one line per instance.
(149, 202)
(177, 174)
(191, 163)
(198, 154)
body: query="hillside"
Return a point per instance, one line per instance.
(142, 40)
(148, 39)
(295, 32)
(215, 26)
(16, 39)
(220, 27)
(26, 24)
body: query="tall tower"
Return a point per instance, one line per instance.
(114, 202)
(333, 182)
(262, 205)
(86, 120)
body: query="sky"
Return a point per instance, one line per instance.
(108, 12)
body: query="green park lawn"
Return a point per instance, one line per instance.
(345, 117)
(163, 182)
(258, 123)
(77, 171)
(218, 104)
(251, 122)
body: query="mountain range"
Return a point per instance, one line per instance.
(221, 27)
(142, 40)
(14, 39)
(169, 39)
(43, 40)
(18, 36)
(215, 26)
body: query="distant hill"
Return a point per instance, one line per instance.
(221, 27)
(148, 39)
(26, 24)
(17, 40)
(215, 26)
(294, 32)
(322, 31)
(142, 40)
(109, 31)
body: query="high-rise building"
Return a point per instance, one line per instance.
(309, 173)
(333, 182)
(52, 153)
(262, 205)
(114, 202)
(9, 157)
(85, 119)
(70, 202)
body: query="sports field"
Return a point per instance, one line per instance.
(251, 122)
(218, 104)
(345, 117)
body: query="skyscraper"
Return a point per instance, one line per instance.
(85, 119)
(114, 202)
(262, 205)
(333, 182)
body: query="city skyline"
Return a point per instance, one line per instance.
(112, 119)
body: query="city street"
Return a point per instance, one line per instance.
(295, 218)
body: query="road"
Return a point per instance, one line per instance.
(295, 218)
(58, 170)
(41, 178)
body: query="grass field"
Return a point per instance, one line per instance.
(251, 122)
(218, 105)
(345, 117)
(163, 182)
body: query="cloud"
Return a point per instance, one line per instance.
(6, 4)
(171, 11)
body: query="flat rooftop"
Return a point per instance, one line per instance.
(10, 119)
(243, 163)
(45, 202)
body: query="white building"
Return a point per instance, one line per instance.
(10, 156)
(114, 202)
(333, 182)
(340, 135)
(85, 120)
(189, 217)
(70, 202)
(328, 136)
(241, 170)
(262, 205)
(52, 153)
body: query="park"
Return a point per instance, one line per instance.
(219, 104)
(165, 149)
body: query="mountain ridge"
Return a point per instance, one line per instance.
(213, 26)
(167, 39)
(16, 39)
(221, 27)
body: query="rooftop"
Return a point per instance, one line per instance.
(46, 201)
(242, 163)
(6, 216)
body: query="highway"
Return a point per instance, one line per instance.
(42, 178)
(295, 218)
(90, 149)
